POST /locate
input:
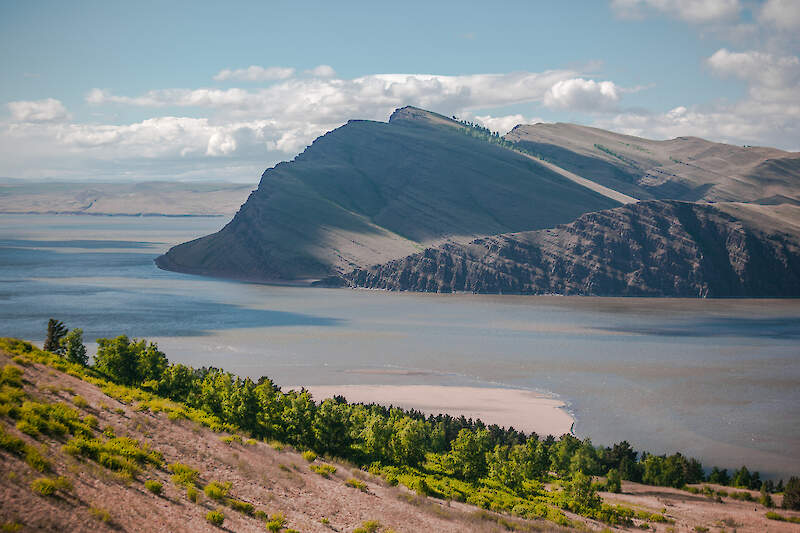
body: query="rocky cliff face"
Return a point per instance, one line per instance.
(655, 248)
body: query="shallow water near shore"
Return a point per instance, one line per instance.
(717, 379)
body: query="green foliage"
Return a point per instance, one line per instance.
(217, 491)
(581, 495)
(122, 454)
(183, 474)
(370, 526)
(80, 401)
(323, 470)
(468, 454)
(276, 522)
(129, 361)
(55, 332)
(309, 456)
(73, 349)
(241, 506)
(613, 481)
(154, 486)
(791, 494)
(10, 527)
(45, 486)
(98, 513)
(357, 484)
(230, 439)
(775, 516)
(193, 494)
(215, 518)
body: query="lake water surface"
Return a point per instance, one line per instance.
(716, 379)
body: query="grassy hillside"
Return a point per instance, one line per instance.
(684, 168)
(369, 192)
(81, 452)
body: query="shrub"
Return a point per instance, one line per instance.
(241, 506)
(193, 494)
(250, 442)
(35, 459)
(45, 486)
(154, 486)
(357, 484)
(323, 470)
(80, 401)
(10, 527)
(276, 522)
(309, 456)
(230, 439)
(183, 474)
(370, 526)
(90, 420)
(772, 515)
(217, 491)
(215, 518)
(100, 514)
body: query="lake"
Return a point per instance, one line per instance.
(715, 379)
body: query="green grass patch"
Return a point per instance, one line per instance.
(215, 518)
(357, 484)
(323, 470)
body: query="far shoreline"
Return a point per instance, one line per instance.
(525, 410)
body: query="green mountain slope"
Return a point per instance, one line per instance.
(369, 192)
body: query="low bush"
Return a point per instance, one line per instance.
(10, 527)
(215, 518)
(100, 514)
(217, 491)
(276, 522)
(154, 486)
(193, 494)
(230, 439)
(241, 506)
(370, 526)
(183, 474)
(323, 470)
(309, 456)
(80, 401)
(357, 484)
(45, 486)
(775, 516)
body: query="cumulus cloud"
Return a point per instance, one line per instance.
(768, 115)
(255, 73)
(504, 124)
(783, 14)
(582, 95)
(322, 71)
(47, 110)
(696, 11)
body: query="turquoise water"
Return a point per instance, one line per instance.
(719, 379)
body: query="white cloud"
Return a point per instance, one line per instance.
(761, 70)
(322, 71)
(255, 73)
(47, 110)
(505, 123)
(695, 11)
(783, 14)
(582, 95)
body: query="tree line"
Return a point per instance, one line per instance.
(370, 433)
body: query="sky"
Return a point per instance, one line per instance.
(152, 90)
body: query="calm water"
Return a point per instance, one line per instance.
(719, 380)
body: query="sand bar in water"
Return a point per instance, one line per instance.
(523, 409)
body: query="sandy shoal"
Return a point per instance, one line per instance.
(523, 409)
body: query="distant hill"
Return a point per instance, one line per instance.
(134, 199)
(370, 192)
(654, 248)
(685, 168)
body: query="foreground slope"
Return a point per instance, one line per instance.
(656, 248)
(684, 168)
(369, 192)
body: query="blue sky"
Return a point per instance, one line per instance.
(162, 90)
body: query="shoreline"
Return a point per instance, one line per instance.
(525, 410)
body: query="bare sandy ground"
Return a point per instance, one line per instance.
(524, 410)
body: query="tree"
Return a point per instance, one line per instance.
(613, 481)
(719, 476)
(468, 454)
(791, 494)
(117, 359)
(408, 441)
(151, 362)
(765, 499)
(74, 350)
(582, 495)
(55, 332)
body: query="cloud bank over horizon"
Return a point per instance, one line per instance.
(247, 118)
